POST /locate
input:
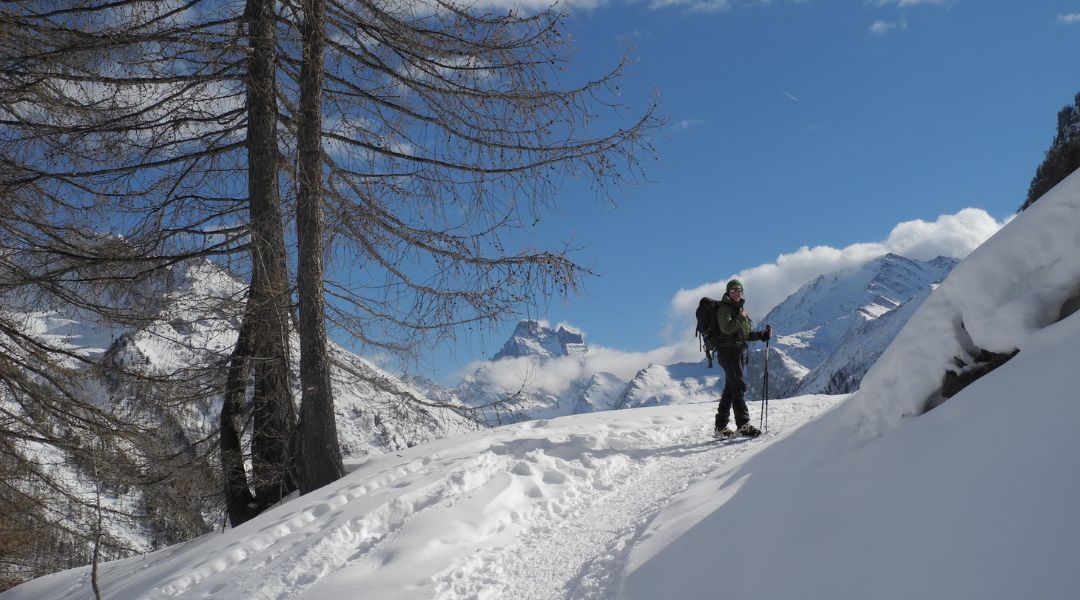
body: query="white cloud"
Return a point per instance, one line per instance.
(885, 27)
(708, 6)
(557, 374)
(1070, 19)
(767, 285)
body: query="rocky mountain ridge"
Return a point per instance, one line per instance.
(828, 334)
(533, 338)
(179, 350)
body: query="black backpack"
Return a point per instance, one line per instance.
(706, 325)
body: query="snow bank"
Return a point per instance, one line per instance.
(976, 499)
(1013, 285)
(538, 510)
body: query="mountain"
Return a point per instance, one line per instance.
(533, 338)
(601, 392)
(539, 373)
(195, 325)
(843, 369)
(817, 319)
(834, 327)
(680, 383)
(828, 333)
(183, 341)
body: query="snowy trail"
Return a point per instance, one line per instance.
(598, 523)
(538, 510)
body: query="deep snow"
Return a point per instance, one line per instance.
(541, 509)
(975, 499)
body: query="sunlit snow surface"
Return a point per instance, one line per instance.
(542, 509)
(975, 499)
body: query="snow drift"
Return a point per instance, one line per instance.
(974, 499)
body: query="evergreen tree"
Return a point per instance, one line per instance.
(1062, 158)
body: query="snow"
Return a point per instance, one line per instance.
(1008, 288)
(540, 509)
(976, 499)
(844, 498)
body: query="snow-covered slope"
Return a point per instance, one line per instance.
(536, 510)
(189, 331)
(873, 499)
(834, 327)
(970, 500)
(879, 499)
(814, 320)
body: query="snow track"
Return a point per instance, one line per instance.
(569, 546)
(538, 510)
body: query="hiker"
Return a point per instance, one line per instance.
(733, 330)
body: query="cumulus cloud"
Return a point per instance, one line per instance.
(1070, 19)
(554, 376)
(767, 285)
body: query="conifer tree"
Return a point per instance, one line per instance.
(1062, 158)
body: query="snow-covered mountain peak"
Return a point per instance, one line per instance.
(823, 312)
(203, 278)
(872, 288)
(536, 338)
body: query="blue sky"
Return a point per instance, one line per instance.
(824, 124)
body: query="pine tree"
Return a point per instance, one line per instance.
(1062, 158)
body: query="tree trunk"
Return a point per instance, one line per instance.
(240, 504)
(318, 453)
(274, 412)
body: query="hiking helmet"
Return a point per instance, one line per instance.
(734, 283)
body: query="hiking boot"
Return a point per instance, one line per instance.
(723, 432)
(749, 430)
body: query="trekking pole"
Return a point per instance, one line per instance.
(763, 421)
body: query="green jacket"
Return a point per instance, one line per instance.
(735, 329)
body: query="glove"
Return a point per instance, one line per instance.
(765, 335)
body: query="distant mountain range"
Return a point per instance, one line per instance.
(837, 325)
(828, 334)
(188, 332)
(193, 324)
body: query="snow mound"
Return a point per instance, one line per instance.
(1018, 282)
(880, 498)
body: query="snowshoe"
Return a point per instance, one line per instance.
(723, 433)
(749, 430)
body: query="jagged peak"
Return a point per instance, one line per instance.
(538, 339)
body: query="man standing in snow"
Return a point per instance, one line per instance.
(732, 332)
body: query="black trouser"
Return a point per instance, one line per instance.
(730, 360)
